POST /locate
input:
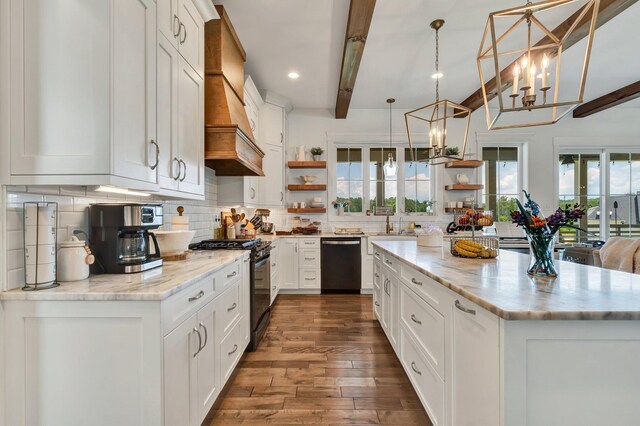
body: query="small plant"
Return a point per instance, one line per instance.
(316, 150)
(452, 151)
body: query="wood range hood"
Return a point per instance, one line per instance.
(229, 144)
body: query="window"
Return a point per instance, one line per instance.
(383, 191)
(579, 183)
(349, 185)
(417, 182)
(502, 182)
(360, 178)
(624, 190)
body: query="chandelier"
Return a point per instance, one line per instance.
(390, 167)
(526, 57)
(434, 119)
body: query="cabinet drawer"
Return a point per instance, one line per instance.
(230, 352)
(230, 308)
(377, 255)
(377, 273)
(185, 303)
(309, 259)
(228, 275)
(433, 292)
(390, 262)
(309, 243)
(426, 325)
(426, 382)
(309, 278)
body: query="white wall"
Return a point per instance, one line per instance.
(618, 127)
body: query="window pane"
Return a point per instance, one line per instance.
(349, 177)
(624, 210)
(417, 186)
(355, 195)
(500, 175)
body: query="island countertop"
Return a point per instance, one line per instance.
(154, 284)
(503, 287)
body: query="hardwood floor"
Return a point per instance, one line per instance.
(324, 360)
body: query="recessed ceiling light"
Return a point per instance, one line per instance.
(437, 75)
(293, 75)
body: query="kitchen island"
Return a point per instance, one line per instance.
(485, 344)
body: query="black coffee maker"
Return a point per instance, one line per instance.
(120, 237)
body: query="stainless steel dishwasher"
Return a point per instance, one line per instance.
(341, 264)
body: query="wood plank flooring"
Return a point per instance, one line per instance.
(324, 360)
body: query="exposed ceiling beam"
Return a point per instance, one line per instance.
(360, 15)
(607, 10)
(609, 100)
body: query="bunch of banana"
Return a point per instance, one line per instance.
(469, 248)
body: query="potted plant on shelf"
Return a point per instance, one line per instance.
(316, 151)
(541, 232)
(452, 151)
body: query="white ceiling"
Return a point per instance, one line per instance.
(307, 36)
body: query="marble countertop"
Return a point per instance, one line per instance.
(155, 284)
(503, 287)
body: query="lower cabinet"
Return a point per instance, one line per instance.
(288, 260)
(156, 362)
(448, 346)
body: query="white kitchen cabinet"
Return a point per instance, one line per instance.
(253, 104)
(182, 24)
(309, 263)
(239, 191)
(207, 382)
(272, 184)
(386, 307)
(275, 270)
(288, 255)
(475, 352)
(87, 111)
(245, 321)
(272, 124)
(390, 292)
(169, 167)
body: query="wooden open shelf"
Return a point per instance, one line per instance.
(463, 187)
(307, 211)
(455, 209)
(307, 164)
(310, 187)
(463, 164)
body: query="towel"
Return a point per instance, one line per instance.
(622, 254)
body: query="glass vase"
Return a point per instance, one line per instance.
(541, 251)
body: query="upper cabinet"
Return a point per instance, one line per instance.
(87, 86)
(181, 23)
(83, 91)
(272, 118)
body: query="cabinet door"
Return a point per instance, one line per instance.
(288, 253)
(367, 269)
(168, 21)
(167, 110)
(191, 37)
(50, 136)
(245, 302)
(476, 365)
(207, 380)
(384, 322)
(179, 374)
(133, 100)
(272, 124)
(394, 310)
(191, 129)
(273, 181)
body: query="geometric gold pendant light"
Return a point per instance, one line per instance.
(427, 125)
(522, 49)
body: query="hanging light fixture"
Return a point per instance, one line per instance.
(435, 116)
(517, 60)
(390, 166)
(567, 160)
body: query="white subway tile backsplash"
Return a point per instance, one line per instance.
(16, 200)
(43, 189)
(65, 203)
(15, 241)
(15, 278)
(14, 219)
(74, 191)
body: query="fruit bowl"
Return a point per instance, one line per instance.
(474, 217)
(308, 179)
(475, 248)
(173, 243)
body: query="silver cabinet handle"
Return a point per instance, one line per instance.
(195, 330)
(413, 280)
(414, 319)
(235, 348)
(182, 40)
(376, 253)
(309, 258)
(309, 279)
(185, 171)
(274, 265)
(309, 243)
(463, 309)
(377, 303)
(152, 142)
(281, 137)
(197, 296)
(206, 335)
(281, 196)
(253, 125)
(388, 262)
(233, 274)
(414, 368)
(175, 160)
(175, 19)
(253, 193)
(235, 305)
(376, 275)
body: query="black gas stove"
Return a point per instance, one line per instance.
(239, 244)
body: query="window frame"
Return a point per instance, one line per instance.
(399, 142)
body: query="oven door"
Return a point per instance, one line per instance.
(261, 291)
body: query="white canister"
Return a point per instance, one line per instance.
(301, 156)
(73, 260)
